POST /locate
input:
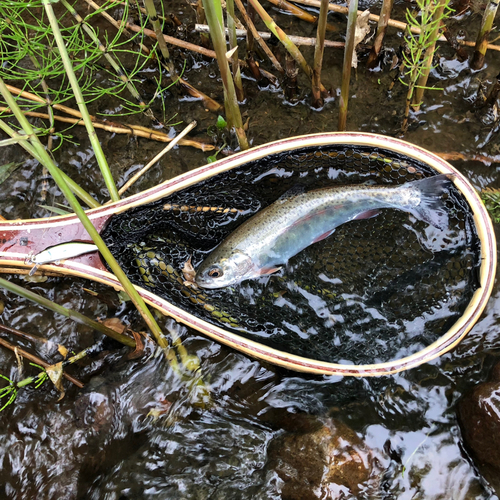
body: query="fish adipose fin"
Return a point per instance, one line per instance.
(431, 208)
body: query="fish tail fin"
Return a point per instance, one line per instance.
(431, 208)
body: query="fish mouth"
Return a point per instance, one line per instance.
(206, 283)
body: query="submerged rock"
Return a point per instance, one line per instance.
(479, 418)
(330, 462)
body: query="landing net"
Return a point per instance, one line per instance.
(373, 291)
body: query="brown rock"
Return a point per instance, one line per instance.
(479, 418)
(324, 463)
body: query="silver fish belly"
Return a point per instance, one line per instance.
(280, 231)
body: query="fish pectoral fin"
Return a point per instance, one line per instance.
(368, 214)
(269, 270)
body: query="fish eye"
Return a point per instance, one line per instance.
(215, 272)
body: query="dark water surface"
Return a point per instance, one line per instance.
(137, 430)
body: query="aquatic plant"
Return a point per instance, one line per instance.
(11, 389)
(491, 198)
(30, 141)
(421, 46)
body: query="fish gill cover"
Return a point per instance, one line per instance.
(375, 290)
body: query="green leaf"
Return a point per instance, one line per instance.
(7, 169)
(221, 123)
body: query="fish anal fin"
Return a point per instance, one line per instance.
(367, 214)
(323, 236)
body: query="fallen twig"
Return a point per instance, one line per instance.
(144, 169)
(395, 24)
(123, 129)
(297, 40)
(486, 159)
(192, 47)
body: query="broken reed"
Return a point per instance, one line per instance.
(477, 61)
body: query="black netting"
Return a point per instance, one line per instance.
(374, 290)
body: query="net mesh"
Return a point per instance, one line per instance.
(375, 290)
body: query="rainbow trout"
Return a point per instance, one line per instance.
(263, 243)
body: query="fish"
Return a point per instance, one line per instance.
(265, 242)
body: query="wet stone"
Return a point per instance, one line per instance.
(94, 408)
(479, 418)
(328, 462)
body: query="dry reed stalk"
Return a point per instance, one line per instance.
(300, 13)
(454, 156)
(37, 360)
(385, 15)
(143, 170)
(265, 35)
(250, 14)
(153, 17)
(284, 39)
(257, 36)
(134, 130)
(192, 47)
(346, 69)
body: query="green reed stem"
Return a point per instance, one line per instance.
(153, 18)
(101, 159)
(69, 313)
(346, 70)
(59, 180)
(213, 12)
(318, 54)
(477, 61)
